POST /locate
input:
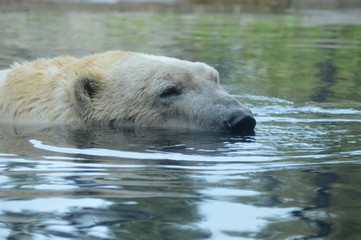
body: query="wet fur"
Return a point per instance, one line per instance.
(113, 88)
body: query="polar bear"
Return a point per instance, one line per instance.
(119, 88)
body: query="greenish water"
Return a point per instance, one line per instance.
(299, 177)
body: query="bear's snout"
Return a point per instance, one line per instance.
(241, 122)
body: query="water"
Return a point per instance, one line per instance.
(299, 177)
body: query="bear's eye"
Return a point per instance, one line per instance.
(169, 92)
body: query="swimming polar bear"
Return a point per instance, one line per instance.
(120, 88)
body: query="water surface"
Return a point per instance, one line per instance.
(299, 177)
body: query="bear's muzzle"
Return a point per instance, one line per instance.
(241, 122)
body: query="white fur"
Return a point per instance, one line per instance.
(3, 76)
(115, 88)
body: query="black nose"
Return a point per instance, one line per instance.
(241, 123)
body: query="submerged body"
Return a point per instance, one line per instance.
(117, 88)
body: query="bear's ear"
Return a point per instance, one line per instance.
(85, 89)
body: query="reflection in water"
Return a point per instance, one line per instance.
(75, 224)
(322, 200)
(297, 178)
(109, 183)
(327, 73)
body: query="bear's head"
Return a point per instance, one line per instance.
(142, 89)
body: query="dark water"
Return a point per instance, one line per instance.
(299, 177)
